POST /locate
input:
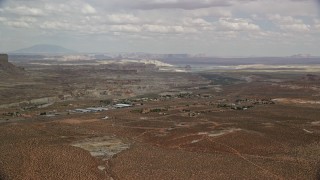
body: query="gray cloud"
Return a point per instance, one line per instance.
(204, 25)
(183, 4)
(166, 4)
(1, 2)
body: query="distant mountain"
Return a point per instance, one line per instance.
(44, 49)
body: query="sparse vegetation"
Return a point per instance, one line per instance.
(261, 127)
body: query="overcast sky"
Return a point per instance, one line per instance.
(213, 27)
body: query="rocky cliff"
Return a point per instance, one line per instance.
(6, 68)
(3, 58)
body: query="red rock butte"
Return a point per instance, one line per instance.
(4, 58)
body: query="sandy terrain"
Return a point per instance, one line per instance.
(257, 129)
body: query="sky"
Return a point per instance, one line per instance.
(211, 27)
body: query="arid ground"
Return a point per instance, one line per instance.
(200, 125)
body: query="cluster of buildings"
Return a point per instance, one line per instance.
(245, 104)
